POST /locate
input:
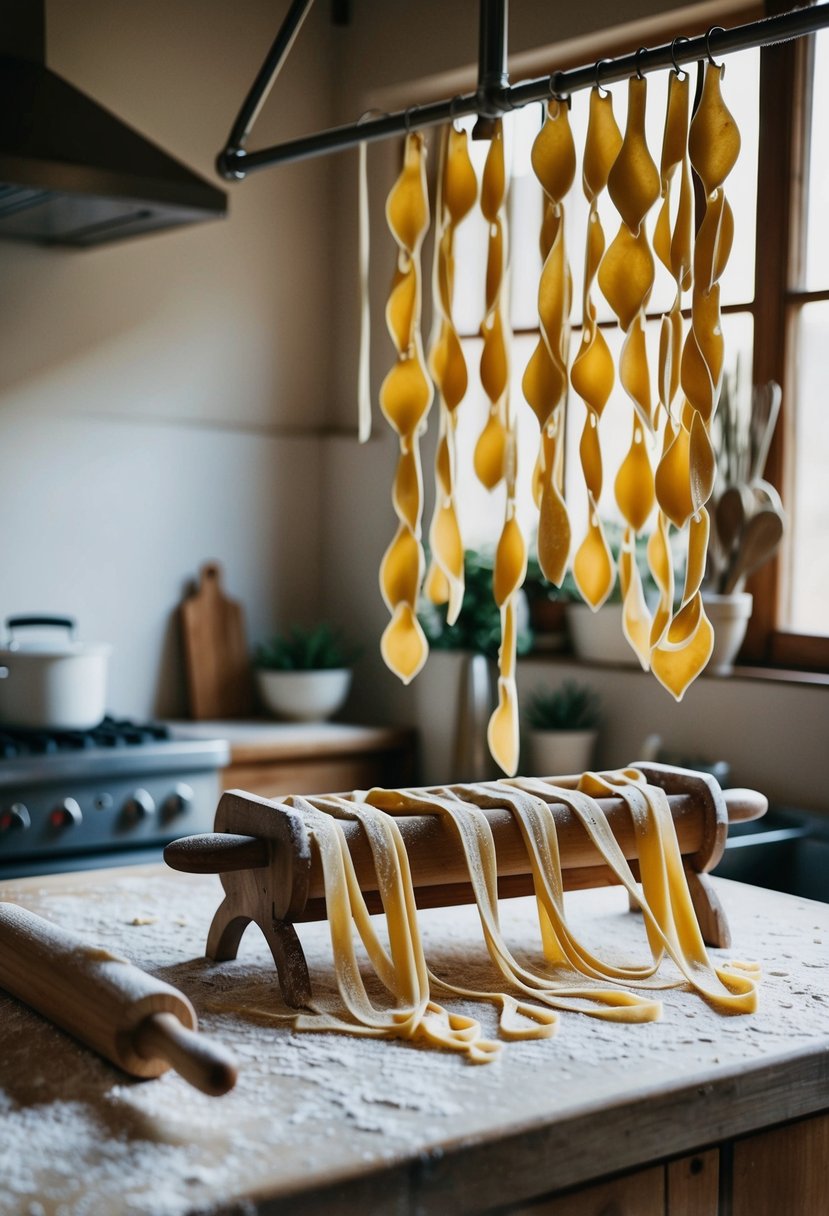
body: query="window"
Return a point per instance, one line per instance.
(775, 318)
(791, 619)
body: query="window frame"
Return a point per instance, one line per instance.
(786, 73)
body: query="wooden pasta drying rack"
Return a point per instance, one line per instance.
(272, 875)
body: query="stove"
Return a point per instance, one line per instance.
(110, 796)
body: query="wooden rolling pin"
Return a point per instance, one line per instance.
(138, 1022)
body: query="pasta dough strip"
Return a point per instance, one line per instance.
(685, 478)
(626, 277)
(457, 193)
(475, 836)
(545, 377)
(664, 899)
(592, 373)
(405, 398)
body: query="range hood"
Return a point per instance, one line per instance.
(71, 173)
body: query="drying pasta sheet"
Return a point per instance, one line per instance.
(665, 477)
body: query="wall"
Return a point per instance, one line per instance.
(161, 400)
(774, 734)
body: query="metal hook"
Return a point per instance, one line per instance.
(713, 30)
(407, 118)
(452, 104)
(598, 82)
(636, 59)
(680, 38)
(565, 98)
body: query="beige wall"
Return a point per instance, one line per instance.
(161, 400)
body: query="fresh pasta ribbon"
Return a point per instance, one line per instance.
(545, 378)
(592, 373)
(457, 193)
(626, 278)
(405, 398)
(569, 976)
(685, 476)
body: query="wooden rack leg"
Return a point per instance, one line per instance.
(710, 912)
(226, 933)
(291, 966)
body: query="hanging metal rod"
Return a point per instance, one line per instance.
(494, 97)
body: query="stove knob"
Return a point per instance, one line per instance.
(67, 814)
(179, 801)
(14, 818)
(139, 805)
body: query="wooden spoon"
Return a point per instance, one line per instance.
(730, 516)
(760, 537)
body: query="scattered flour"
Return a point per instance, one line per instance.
(79, 1138)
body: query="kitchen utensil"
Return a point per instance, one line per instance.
(759, 539)
(273, 877)
(51, 685)
(730, 516)
(765, 408)
(219, 682)
(138, 1022)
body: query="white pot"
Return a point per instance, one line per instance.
(304, 696)
(729, 615)
(560, 753)
(598, 636)
(52, 685)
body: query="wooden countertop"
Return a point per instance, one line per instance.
(323, 1122)
(254, 741)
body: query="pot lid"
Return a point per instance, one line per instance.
(54, 647)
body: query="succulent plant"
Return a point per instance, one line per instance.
(318, 649)
(570, 706)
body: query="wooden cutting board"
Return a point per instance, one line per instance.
(219, 681)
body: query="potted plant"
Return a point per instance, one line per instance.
(304, 675)
(548, 606)
(562, 726)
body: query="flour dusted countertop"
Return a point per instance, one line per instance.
(322, 1123)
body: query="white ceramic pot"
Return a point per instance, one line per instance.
(51, 685)
(560, 753)
(598, 636)
(729, 615)
(304, 696)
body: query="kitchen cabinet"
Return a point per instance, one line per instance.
(274, 758)
(698, 1114)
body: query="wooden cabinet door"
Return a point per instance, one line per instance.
(784, 1172)
(639, 1194)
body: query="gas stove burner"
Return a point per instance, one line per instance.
(112, 732)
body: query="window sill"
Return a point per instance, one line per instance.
(770, 675)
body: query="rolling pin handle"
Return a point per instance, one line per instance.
(205, 1064)
(217, 853)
